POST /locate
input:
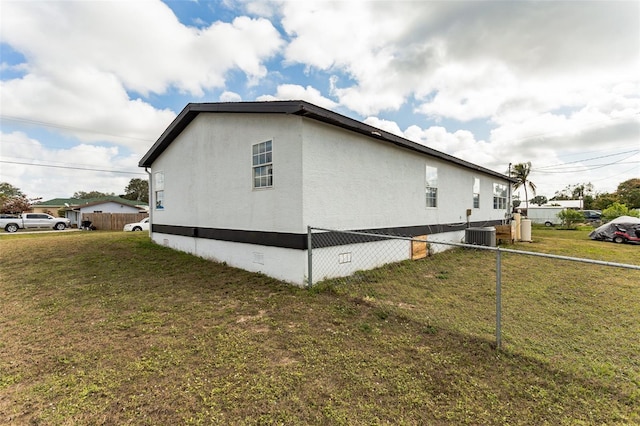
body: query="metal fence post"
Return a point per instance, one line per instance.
(498, 299)
(309, 258)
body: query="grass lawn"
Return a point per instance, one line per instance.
(109, 328)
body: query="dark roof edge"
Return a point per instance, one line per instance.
(88, 201)
(302, 108)
(98, 202)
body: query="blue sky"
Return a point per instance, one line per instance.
(87, 87)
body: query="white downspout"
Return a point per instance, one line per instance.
(150, 201)
(509, 201)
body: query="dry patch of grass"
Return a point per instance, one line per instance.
(111, 328)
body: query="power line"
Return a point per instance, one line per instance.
(60, 126)
(585, 169)
(583, 126)
(59, 164)
(72, 168)
(635, 151)
(617, 174)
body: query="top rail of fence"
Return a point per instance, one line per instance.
(480, 247)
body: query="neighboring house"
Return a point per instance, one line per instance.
(255, 175)
(74, 208)
(53, 207)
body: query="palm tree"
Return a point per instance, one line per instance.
(521, 172)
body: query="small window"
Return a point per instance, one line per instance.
(159, 200)
(476, 193)
(431, 186)
(499, 196)
(158, 181)
(158, 188)
(262, 161)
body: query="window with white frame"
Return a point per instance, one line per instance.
(499, 196)
(158, 183)
(159, 200)
(262, 162)
(431, 186)
(476, 193)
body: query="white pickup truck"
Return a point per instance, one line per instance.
(33, 221)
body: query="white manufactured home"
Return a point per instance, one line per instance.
(241, 182)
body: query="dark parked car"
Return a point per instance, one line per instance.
(592, 216)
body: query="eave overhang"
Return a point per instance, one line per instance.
(300, 108)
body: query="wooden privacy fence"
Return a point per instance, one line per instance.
(112, 221)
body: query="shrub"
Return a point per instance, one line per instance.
(570, 218)
(617, 210)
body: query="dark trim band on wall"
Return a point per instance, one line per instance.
(271, 239)
(299, 241)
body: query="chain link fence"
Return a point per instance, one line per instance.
(502, 295)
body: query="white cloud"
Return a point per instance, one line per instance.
(259, 8)
(63, 171)
(230, 97)
(141, 43)
(563, 150)
(83, 81)
(85, 99)
(386, 125)
(466, 92)
(461, 144)
(467, 60)
(358, 44)
(296, 92)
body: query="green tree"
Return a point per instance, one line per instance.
(137, 190)
(12, 200)
(629, 193)
(580, 190)
(8, 190)
(617, 210)
(521, 173)
(560, 196)
(587, 202)
(81, 195)
(570, 218)
(515, 202)
(604, 200)
(574, 192)
(539, 200)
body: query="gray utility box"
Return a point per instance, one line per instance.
(481, 236)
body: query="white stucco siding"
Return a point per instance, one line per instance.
(291, 265)
(344, 260)
(455, 187)
(288, 265)
(351, 181)
(208, 174)
(324, 176)
(486, 210)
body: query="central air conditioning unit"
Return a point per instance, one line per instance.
(480, 236)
